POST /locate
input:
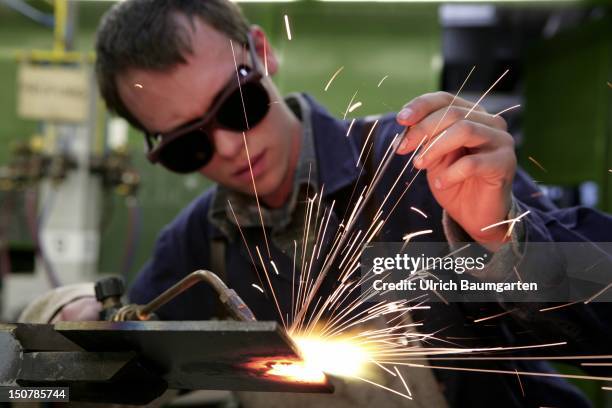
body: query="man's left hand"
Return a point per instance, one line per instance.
(469, 158)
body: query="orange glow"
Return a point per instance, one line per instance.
(341, 356)
(297, 371)
(284, 369)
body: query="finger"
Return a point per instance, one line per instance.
(465, 134)
(442, 119)
(421, 106)
(491, 165)
(409, 144)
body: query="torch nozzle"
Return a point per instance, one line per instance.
(228, 297)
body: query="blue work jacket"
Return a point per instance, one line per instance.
(183, 246)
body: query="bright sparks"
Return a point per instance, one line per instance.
(382, 80)
(589, 300)
(287, 27)
(408, 237)
(333, 77)
(537, 163)
(486, 92)
(482, 319)
(507, 109)
(348, 132)
(354, 106)
(319, 325)
(511, 221)
(265, 56)
(419, 211)
(349, 105)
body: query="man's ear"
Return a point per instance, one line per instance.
(264, 50)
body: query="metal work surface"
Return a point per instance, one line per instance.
(198, 355)
(133, 362)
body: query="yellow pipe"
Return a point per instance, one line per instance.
(49, 137)
(59, 30)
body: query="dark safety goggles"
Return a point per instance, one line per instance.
(240, 105)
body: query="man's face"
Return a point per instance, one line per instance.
(163, 101)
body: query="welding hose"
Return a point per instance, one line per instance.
(228, 297)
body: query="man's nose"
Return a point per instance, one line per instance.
(228, 144)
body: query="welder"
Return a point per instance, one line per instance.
(190, 75)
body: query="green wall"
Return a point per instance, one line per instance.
(568, 115)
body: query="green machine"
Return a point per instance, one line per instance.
(568, 112)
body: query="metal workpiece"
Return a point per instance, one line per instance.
(136, 361)
(42, 337)
(131, 359)
(72, 366)
(216, 355)
(32, 356)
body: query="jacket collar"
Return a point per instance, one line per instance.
(336, 153)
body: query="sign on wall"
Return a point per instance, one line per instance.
(53, 93)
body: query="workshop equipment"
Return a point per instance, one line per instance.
(131, 359)
(135, 362)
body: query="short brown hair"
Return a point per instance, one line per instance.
(145, 34)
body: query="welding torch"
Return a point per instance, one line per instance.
(109, 292)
